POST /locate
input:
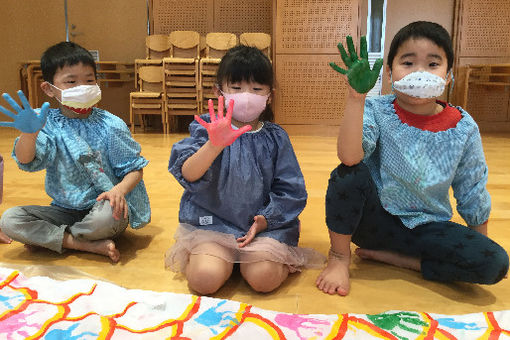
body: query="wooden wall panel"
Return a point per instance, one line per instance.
(309, 91)
(306, 36)
(204, 16)
(239, 16)
(488, 103)
(304, 26)
(485, 28)
(482, 37)
(179, 15)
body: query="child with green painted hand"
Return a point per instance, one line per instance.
(400, 155)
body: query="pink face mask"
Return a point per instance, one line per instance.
(247, 106)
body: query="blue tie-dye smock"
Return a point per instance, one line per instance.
(257, 175)
(413, 169)
(85, 157)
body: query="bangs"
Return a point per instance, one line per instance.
(249, 71)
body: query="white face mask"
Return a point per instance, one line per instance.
(421, 84)
(247, 106)
(80, 99)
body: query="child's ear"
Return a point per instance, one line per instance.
(388, 72)
(271, 95)
(449, 77)
(46, 87)
(216, 90)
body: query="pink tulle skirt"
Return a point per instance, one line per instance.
(188, 238)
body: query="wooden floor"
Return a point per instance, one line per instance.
(375, 287)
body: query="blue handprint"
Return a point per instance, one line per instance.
(27, 119)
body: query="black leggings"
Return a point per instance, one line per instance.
(448, 251)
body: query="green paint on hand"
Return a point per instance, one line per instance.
(361, 78)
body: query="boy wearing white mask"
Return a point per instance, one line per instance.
(244, 189)
(93, 166)
(400, 155)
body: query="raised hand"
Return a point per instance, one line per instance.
(361, 78)
(220, 128)
(259, 224)
(26, 120)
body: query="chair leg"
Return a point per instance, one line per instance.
(131, 118)
(142, 124)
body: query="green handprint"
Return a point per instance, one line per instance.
(398, 322)
(360, 76)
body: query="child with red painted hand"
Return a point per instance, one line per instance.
(244, 189)
(400, 155)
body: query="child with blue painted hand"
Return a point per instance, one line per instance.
(244, 189)
(400, 155)
(93, 166)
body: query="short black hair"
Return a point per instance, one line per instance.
(64, 53)
(249, 64)
(422, 29)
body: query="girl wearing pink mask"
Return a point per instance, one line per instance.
(244, 189)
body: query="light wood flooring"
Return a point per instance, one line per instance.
(375, 287)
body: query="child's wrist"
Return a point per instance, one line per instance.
(356, 95)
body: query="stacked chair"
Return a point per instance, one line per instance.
(181, 76)
(216, 45)
(176, 79)
(157, 47)
(148, 100)
(262, 41)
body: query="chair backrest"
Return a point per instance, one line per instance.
(157, 46)
(184, 44)
(150, 78)
(217, 44)
(262, 41)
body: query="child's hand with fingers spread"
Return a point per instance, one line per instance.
(259, 224)
(361, 78)
(26, 119)
(220, 128)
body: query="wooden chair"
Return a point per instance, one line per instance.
(149, 99)
(262, 41)
(157, 47)
(216, 45)
(181, 76)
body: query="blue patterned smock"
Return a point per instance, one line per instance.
(85, 157)
(257, 175)
(414, 169)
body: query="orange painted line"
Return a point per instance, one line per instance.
(435, 325)
(493, 324)
(235, 327)
(9, 279)
(339, 328)
(267, 322)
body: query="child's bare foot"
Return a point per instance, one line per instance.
(390, 257)
(335, 277)
(102, 247)
(4, 238)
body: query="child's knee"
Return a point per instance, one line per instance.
(497, 266)
(99, 224)
(8, 221)
(205, 278)
(103, 217)
(264, 276)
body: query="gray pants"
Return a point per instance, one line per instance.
(44, 226)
